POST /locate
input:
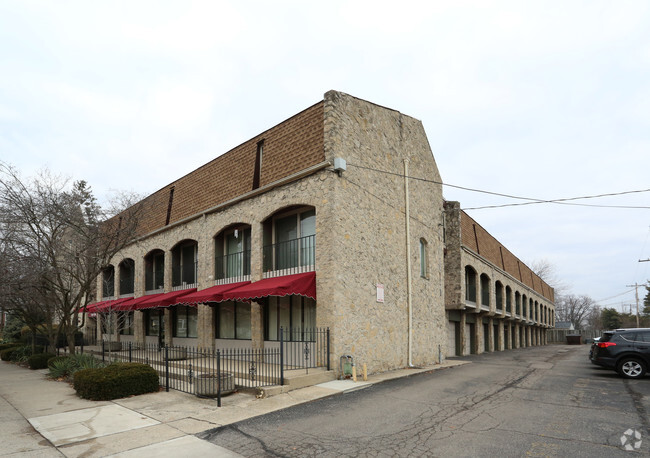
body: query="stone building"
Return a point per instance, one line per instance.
(316, 208)
(493, 300)
(312, 223)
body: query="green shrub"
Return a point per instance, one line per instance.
(7, 345)
(39, 360)
(8, 353)
(116, 381)
(66, 366)
(21, 353)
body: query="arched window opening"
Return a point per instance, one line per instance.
(498, 292)
(424, 259)
(470, 285)
(232, 248)
(485, 291)
(185, 265)
(154, 272)
(289, 241)
(127, 277)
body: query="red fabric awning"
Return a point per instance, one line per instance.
(110, 306)
(212, 294)
(92, 308)
(134, 303)
(164, 300)
(300, 284)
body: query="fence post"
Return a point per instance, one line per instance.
(328, 349)
(130, 354)
(103, 350)
(281, 356)
(219, 378)
(166, 368)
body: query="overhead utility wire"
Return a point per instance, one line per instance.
(563, 201)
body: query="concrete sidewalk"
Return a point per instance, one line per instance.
(42, 417)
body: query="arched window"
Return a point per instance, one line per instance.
(424, 259)
(470, 285)
(154, 271)
(508, 299)
(232, 250)
(127, 276)
(485, 290)
(185, 265)
(498, 292)
(517, 303)
(289, 240)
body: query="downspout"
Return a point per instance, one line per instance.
(408, 263)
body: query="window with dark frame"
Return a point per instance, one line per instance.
(232, 320)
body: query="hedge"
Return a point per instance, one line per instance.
(40, 360)
(118, 380)
(8, 353)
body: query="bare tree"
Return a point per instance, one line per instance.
(60, 227)
(575, 309)
(548, 272)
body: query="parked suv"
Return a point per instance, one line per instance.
(625, 350)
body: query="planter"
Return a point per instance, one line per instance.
(207, 385)
(112, 346)
(176, 353)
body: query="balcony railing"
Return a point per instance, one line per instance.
(185, 276)
(233, 267)
(290, 257)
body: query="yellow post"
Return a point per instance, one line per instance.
(365, 373)
(354, 373)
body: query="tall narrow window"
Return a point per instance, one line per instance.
(258, 164)
(424, 264)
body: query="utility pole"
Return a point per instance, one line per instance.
(636, 293)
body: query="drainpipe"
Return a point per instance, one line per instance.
(408, 262)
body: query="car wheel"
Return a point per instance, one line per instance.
(631, 368)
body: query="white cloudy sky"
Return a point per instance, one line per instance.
(537, 99)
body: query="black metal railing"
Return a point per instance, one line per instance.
(211, 373)
(305, 348)
(234, 265)
(292, 256)
(185, 276)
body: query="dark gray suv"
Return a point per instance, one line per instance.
(625, 350)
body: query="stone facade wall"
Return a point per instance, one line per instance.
(369, 221)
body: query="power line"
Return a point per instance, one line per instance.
(531, 200)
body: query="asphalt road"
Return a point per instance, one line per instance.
(541, 401)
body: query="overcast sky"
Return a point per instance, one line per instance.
(545, 100)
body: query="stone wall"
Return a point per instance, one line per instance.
(370, 226)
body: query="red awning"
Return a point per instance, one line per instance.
(300, 284)
(92, 308)
(212, 294)
(110, 306)
(164, 300)
(134, 303)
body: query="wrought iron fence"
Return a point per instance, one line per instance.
(211, 373)
(206, 373)
(305, 348)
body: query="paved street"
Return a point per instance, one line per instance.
(543, 401)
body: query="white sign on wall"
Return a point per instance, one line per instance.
(380, 292)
